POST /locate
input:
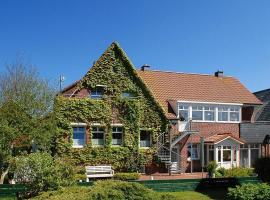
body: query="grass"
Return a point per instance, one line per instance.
(214, 194)
(7, 197)
(189, 195)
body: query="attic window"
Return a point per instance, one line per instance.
(96, 93)
(128, 95)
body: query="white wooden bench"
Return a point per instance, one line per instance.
(98, 172)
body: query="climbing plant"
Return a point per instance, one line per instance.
(117, 75)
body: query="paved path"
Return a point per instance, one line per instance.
(166, 176)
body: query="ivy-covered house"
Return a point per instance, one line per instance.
(138, 120)
(110, 116)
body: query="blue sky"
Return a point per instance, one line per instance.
(65, 37)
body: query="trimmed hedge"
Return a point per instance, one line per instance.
(127, 176)
(106, 190)
(234, 172)
(262, 168)
(250, 192)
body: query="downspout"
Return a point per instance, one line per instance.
(170, 152)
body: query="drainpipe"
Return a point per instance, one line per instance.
(170, 153)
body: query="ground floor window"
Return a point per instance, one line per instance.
(211, 153)
(79, 136)
(145, 138)
(97, 135)
(117, 135)
(193, 151)
(254, 151)
(227, 155)
(249, 153)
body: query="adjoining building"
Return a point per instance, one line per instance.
(256, 132)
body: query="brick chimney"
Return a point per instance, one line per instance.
(144, 66)
(219, 73)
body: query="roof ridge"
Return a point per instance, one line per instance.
(261, 91)
(189, 73)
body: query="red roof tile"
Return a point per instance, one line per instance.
(222, 136)
(196, 87)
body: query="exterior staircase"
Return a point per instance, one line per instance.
(165, 146)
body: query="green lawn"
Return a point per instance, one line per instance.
(214, 194)
(189, 195)
(7, 198)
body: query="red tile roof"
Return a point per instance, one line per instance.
(222, 136)
(195, 87)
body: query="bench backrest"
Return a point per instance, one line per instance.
(104, 168)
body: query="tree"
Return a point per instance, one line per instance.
(26, 103)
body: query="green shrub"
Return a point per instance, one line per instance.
(105, 190)
(80, 177)
(249, 192)
(80, 173)
(211, 168)
(262, 168)
(234, 172)
(74, 193)
(41, 172)
(126, 176)
(220, 172)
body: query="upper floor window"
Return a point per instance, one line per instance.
(210, 113)
(128, 94)
(183, 111)
(223, 114)
(79, 136)
(197, 113)
(97, 135)
(96, 93)
(234, 114)
(117, 135)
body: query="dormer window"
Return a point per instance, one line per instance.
(96, 93)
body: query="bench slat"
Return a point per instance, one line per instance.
(99, 171)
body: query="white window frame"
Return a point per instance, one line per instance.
(234, 109)
(94, 95)
(190, 147)
(150, 133)
(196, 108)
(98, 131)
(185, 108)
(224, 109)
(78, 125)
(215, 108)
(210, 109)
(122, 132)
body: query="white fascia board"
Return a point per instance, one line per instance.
(78, 124)
(117, 125)
(215, 103)
(229, 137)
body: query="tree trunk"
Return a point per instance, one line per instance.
(3, 175)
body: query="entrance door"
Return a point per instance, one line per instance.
(175, 159)
(226, 156)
